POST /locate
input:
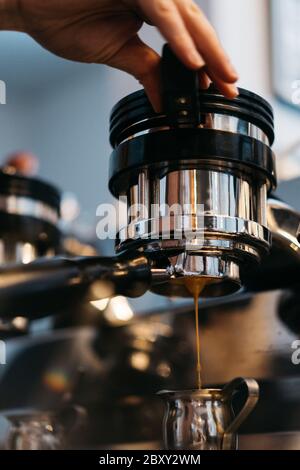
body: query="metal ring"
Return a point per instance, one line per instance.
(163, 227)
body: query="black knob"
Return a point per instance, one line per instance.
(180, 90)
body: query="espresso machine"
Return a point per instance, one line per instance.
(196, 180)
(199, 180)
(29, 213)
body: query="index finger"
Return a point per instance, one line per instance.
(207, 41)
(165, 15)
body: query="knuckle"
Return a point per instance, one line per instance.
(164, 7)
(192, 9)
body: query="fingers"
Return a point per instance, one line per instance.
(139, 60)
(193, 39)
(165, 15)
(227, 89)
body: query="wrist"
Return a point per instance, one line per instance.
(10, 16)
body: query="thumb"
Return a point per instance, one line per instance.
(139, 60)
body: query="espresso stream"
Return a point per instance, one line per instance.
(195, 285)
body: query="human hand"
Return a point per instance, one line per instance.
(106, 32)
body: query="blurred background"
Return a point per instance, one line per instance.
(59, 110)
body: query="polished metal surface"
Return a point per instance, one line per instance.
(33, 429)
(223, 275)
(196, 420)
(284, 222)
(20, 252)
(26, 206)
(220, 122)
(192, 191)
(218, 217)
(199, 186)
(263, 441)
(13, 248)
(22, 241)
(34, 432)
(207, 266)
(204, 419)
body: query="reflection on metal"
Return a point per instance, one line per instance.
(30, 429)
(118, 310)
(217, 217)
(196, 187)
(140, 361)
(13, 251)
(25, 206)
(203, 419)
(212, 121)
(284, 223)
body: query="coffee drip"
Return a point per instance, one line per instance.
(195, 285)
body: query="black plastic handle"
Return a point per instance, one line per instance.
(180, 90)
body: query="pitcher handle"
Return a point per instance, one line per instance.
(253, 395)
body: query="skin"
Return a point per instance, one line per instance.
(23, 163)
(106, 32)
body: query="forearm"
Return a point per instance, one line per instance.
(10, 16)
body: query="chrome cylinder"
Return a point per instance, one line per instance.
(196, 197)
(206, 222)
(29, 215)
